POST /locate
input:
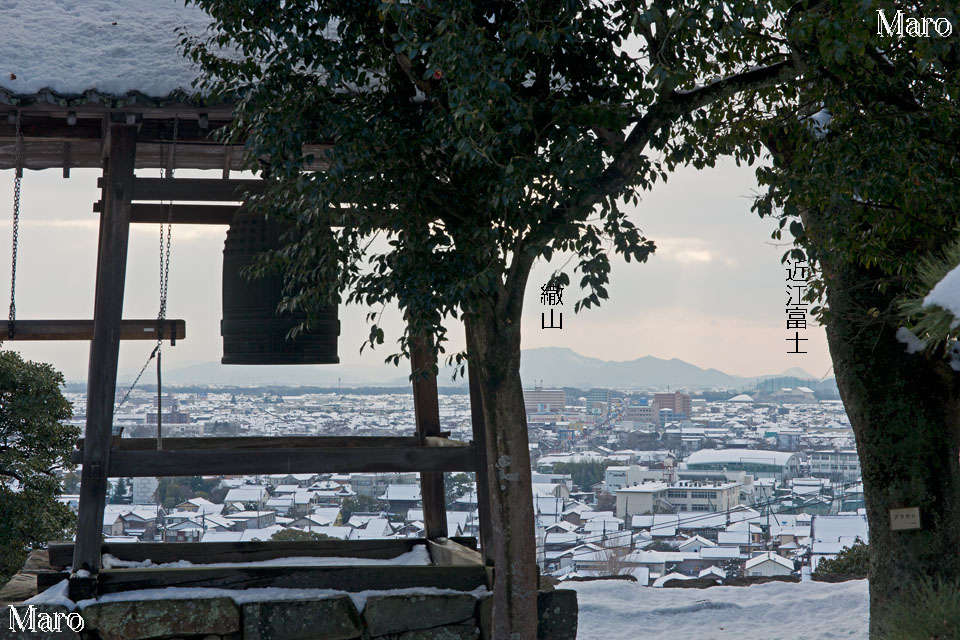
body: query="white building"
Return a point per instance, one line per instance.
(703, 496)
(144, 490)
(781, 465)
(768, 563)
(841, 465)
(646, 497)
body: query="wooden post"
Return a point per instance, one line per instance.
(104, 351)
(483, 488)
(426, 407)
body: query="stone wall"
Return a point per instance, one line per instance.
(455, 616)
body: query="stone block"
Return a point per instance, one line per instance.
(319, 619)
(557, 614)
(465, 631)
(401, 613)
(485, 617)
(145, 619)
(49, 620)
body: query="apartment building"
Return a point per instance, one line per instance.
(837, 465)
(643, 498)
(538, 400)
(703, 496)
(677, 402)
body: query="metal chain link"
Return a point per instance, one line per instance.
(164, 280)
(164, 283)
(165, 254)
(18, 174)
(137, 379)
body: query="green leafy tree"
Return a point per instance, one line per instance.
(71, 482)
(853, 561)
(296, 535)
(119, 491)
(864, 179)
(358, 504)
(455, 486)
(35, 447)
(583, 474)
(474, 138)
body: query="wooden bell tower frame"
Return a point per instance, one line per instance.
(120, 138)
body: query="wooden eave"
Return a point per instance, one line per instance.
(71, 132)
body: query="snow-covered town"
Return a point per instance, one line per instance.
(660, 486)
(553, 208)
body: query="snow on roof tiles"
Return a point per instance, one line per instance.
(103, 46)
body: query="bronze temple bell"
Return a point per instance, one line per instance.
(253, 332)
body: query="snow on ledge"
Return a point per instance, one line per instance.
(57, 595)
(418, 556)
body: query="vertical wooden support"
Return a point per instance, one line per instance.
(426, 407)
(483, 485)
(104, 349)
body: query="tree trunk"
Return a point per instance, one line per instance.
(493, 345)
(905, 413)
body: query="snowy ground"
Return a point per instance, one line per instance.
(619, 610)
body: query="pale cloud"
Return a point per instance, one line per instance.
(689, 250)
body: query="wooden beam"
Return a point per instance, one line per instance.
(61, 553)
(426, 410)
(144, 213)
(265, 442)
(148, 213)
(189, 462)
(46, 579)
(47, 128)
(200, 189)
(483, 485)
(350, 578)
(451, 554)
(105, 344)
(83, 330)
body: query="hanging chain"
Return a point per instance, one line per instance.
(165, 250)
(18, 174)
(164, 283)
(137, 379)
(164, 279)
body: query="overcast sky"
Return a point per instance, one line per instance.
(714, 294)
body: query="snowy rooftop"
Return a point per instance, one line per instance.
(102, 46)
(757, 456)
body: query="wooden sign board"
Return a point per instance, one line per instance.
(903, 519)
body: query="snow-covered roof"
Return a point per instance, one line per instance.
(58, 49)
(250, 493)
(712, 571)
(741, 398)
(835, 528)
(644, 487)
(403, 492)
(769, 556)
(755, 456)
(659, 582)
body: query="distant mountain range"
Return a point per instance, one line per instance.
(549, 366)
